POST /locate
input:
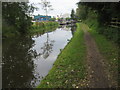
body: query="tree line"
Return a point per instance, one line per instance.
(99, 15)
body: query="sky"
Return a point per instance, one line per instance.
(59, 7)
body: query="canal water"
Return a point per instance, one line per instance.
(27, 60)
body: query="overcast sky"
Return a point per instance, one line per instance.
(59, 7)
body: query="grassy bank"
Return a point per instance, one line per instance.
(69, 68)
(42, 27)
(110, 52)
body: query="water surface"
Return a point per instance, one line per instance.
(27, 60)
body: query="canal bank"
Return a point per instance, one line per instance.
(27, 60)
(34, 28)
(69, 68)
(43, 27)
(88, 61)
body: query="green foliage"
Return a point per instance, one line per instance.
(42, 27)
(112, 34)
(68, 19)
(16, 15)
(98, 16)
(109, 32)
(9, 30)
(81, 12)
(69, 68)
(52, 19)
(73, 16)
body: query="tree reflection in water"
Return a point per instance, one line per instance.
(73, 28)
(47, 48)
(17, 63)
(20, 57)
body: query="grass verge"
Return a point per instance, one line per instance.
(69, 68)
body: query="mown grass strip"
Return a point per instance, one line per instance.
(69, 68)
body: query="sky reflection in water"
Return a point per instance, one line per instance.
(26, 61)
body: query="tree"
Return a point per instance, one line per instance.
(46, 6)
(101, 15)
(73, 14)
(67, 18)
(82, 12)
(17, 15)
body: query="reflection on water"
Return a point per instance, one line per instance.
(73, 28)
(47, 48)
(17, 62)
(26, 61)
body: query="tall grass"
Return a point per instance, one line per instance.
(109, 32)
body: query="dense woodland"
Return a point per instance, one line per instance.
(99, 15)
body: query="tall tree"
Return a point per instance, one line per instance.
(81, 12)
(73, 14)
(16, 14)
(46, 6)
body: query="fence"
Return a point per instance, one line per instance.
(115, 23)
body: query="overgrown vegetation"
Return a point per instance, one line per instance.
(73, 16)
(69, 68)
(15, 18)
(99, 16)
(42, 27)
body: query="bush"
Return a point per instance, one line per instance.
(9, 30)
(93, 22)
(40, 27)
